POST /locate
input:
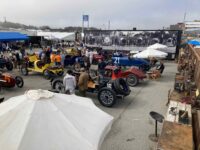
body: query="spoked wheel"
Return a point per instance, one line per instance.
(19, 81)
(46, 74)
(77, 67)
(58, 86)
(24, 71)
(132, 80)
(107, 97)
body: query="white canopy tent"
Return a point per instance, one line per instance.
(151, 53)
(42, 120)
(67, 36)
(157, 46)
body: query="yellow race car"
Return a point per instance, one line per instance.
(72, 52)
(32, 63)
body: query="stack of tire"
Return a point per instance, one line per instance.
(107, 95)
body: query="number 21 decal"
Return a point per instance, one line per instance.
(116, 60)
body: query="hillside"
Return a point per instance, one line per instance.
(22, 26)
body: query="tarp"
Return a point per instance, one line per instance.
(42, 120)
(12, 36)
(194, 42)
(151, 53)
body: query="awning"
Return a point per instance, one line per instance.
(12, 36)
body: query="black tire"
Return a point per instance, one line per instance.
(58, 85)
(19, 81)
(9, 66)
(46, 74)
(132, 80)
(107, 97)
(24, 71)
(121, 86)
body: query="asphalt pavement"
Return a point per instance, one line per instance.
(132, 123)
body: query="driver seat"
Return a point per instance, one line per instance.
(40, 64)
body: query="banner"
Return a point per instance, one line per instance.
(85, 17)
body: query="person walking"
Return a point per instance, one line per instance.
(83, 82)
(69, 83)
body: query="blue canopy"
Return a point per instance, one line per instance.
(194, 42)
(12, 36)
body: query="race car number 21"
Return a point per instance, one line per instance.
(116, 60)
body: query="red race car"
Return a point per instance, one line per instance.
(132, 75)
(7, 80)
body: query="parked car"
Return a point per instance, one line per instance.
(132, 75)
(107, 90)
(128, 61)
(9, 81)
(32, 63)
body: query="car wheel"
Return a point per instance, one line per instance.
(121, 86)
(132, 80)
(46, 74)
(107, 97)
(24, 71)
(9, 66)
(77, 67)
(19, 81)
(58, 86)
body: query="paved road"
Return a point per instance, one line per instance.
(132, 123)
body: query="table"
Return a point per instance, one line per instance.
(175, 136)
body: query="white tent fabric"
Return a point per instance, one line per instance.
(151, 53)
(52, 122)
(57, 35)
(157, 46)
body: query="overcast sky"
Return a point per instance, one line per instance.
(123, 14)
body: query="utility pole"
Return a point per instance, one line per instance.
(109, 25)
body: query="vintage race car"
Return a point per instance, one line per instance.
(132, 75)
(126, 61)
(72, 52)
(32, 63)
(9, 81)
(107, 90)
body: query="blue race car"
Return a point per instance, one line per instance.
(127, 61)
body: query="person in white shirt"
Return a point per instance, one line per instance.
(91, 56)
(69, 83)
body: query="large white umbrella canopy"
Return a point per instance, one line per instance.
(150, 53)
(157, 46)
(42, 120)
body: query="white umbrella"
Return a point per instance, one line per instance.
(150, 53)
(42, 120)
(157, 46)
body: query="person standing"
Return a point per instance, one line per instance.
(58, 59)
(101, 67)
(83, 82)
(69, 83)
